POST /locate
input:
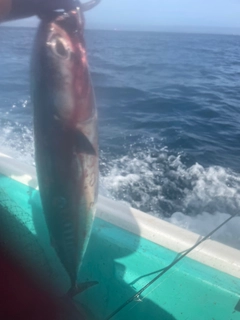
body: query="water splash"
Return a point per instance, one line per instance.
(193, 197)
(16, 135)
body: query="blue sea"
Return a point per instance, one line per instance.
(169, 121)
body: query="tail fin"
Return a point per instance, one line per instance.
(73, 291)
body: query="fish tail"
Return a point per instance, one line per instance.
(78, 288)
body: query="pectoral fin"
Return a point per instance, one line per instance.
(83, 145)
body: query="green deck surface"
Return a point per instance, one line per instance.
(120, 261)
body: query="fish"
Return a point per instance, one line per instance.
(65, 137)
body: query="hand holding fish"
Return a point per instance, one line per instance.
(19, 9)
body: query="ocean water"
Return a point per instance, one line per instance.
(169, 121)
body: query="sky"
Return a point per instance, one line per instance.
(165, 15)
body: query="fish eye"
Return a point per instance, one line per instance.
(60, 48)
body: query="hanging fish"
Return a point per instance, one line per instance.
(66, 139)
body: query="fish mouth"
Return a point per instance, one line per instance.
(72, 22)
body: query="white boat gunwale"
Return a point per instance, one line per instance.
(211, 253)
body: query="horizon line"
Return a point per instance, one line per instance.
(160, 29)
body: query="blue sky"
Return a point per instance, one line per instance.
(161, 15)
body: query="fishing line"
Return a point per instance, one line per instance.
(164, 270)
(155, 288)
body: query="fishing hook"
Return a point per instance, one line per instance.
(89, 5)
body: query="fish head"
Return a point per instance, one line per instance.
(64, 61)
